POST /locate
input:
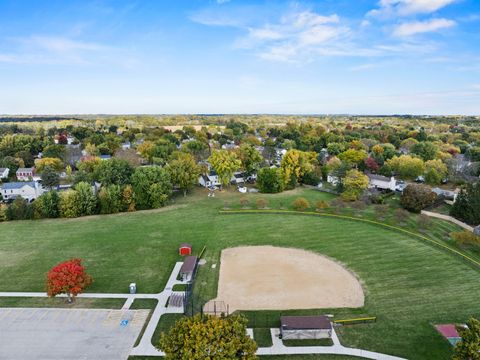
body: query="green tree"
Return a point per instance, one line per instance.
(426, 150)
(435, 171)
(469, 347)
(50, 177)
(270, 180)
(113, 171)
(53, 163)
(151, 185)
(183, 171)
(128, 198)
(467, 204)
(110, 199)
(20, 209)
(250, 158)
(407, 166)
(208, 337)
(354, 183)
(295, 164)
(225, 163)
(68, 204)
(47, 205)
(87, 201)
(416, 197)
(353, 157)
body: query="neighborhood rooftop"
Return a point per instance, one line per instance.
(18, 185)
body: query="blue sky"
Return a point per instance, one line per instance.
(220, 56)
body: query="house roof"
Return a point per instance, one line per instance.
(3, 170)
(30, 169)
(378, 177)
(305, 322)
(18, 185)
(189, 264)
(205, 178)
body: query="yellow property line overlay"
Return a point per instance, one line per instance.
(356, 319)
(291, 212)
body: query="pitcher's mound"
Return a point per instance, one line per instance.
(275, 278)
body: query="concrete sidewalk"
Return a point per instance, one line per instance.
(336, 349)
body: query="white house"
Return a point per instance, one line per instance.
(4, 173)
(381, 182)
(237, 178)
(29, 190)
(25, 174)
(209, 180)
(332, 179)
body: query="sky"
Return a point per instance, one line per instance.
(240, 56)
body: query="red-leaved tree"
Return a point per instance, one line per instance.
(371, 164)
(69, 278)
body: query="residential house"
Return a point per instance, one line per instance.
(447, 194)
(332, 179)
(4, 173)
(380, 182)
(209, 180)
(29, 190)
(25, 174)
(237, 178)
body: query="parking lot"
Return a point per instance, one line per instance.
(31, 333)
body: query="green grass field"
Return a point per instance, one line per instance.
(409, 284)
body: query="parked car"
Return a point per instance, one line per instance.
(400, 186)
(420, 179)
(242, 189)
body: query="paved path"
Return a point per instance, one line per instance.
(279, 349)
(447, 218)
(145, 346)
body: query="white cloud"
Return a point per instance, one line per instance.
(418, 27)
(295, 37)
(388, 8)
(60, 44)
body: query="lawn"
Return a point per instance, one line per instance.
(409, 284)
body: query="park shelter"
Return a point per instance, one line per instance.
(187, 271)
(305, 327)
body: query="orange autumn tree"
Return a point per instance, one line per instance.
(68, 278)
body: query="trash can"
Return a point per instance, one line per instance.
(133, 288)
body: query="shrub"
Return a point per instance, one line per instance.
(262, 203)
(301, 204)
(321, 204)
(381, 211)
(401, 215)
(417, 197)
(244, 201)
(424, 222)
(466, 239)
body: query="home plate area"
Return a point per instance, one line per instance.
(30, 333)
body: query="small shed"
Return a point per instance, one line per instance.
(187, 271)
(185, 249)
(305, 327)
